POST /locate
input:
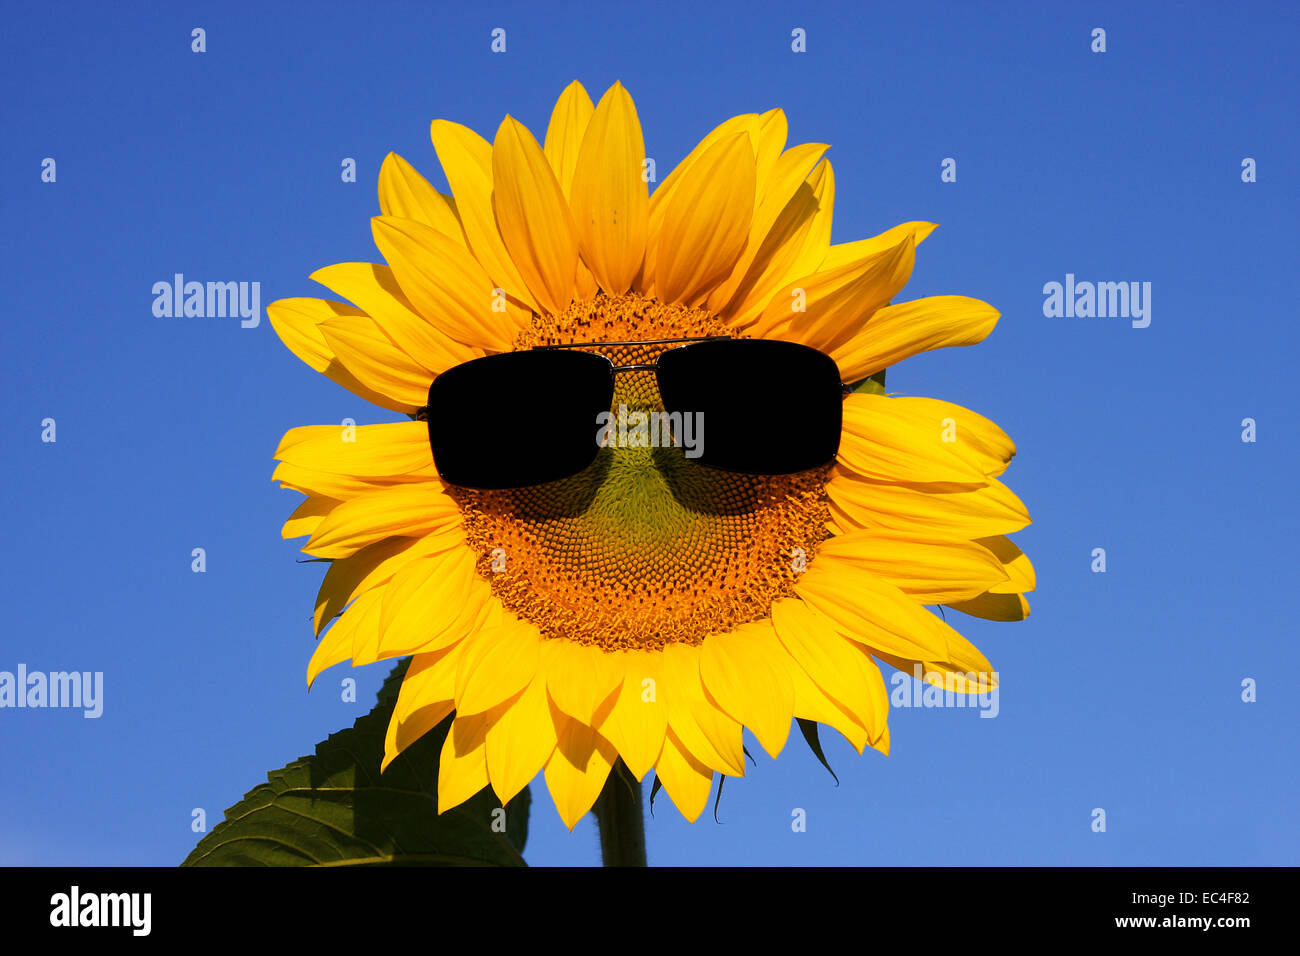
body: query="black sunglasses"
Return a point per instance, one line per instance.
(771, 408)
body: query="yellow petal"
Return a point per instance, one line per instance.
(430, 680)
(788, 174)
(844, 253)
(900, 439)
(882, 744)
(410, 511)
(307, 517)
(533, 217)
(813, 703)
(297, 322)
(961, 435)
(405, 194)
(336, 645)
(747, 673)
(370, 567)
(639, 719)
(873, 612)
(904, 329)
(585, 285)
(462, 769)
(836, 665)
(580, 678)
(702, 729)
(578, 768)
(424, 700)
(742, 123)
(495, 665)
(823, 309)
(980, 441)
(374, 288)
(377, 362)
(445, 283)
(877, 719)
(964, 671)
(931, 569)
(342, 487)
(419, 724)
(687, 780)
(564, 133)
(944, 509)
(610, 198)
(772, 263)
(466, 159)
(767, 135)
(520, 743)
(386, 450)
(778, 259)
(431, 602)
(706, 224)
(817, 240)
(995, 607)
(660, 197)
(1019, 570)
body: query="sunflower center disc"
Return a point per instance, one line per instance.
(645, 547)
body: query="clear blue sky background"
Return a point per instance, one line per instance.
(1123, 691)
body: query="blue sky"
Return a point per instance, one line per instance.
(1122, 691)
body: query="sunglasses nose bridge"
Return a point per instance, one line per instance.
(639, 367)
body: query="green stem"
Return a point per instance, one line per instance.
(621, 818)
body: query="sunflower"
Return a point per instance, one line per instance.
(647, 609)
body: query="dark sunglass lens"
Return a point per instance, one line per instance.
(766, 407)
(519, 418)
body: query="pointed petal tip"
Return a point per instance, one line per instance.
(692, 816)
(508, 124)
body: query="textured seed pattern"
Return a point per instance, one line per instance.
(645, 547)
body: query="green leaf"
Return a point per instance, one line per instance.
(874, 385)
(334, 808)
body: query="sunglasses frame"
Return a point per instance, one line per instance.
(422, 413)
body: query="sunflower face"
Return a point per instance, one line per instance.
(647, 608)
